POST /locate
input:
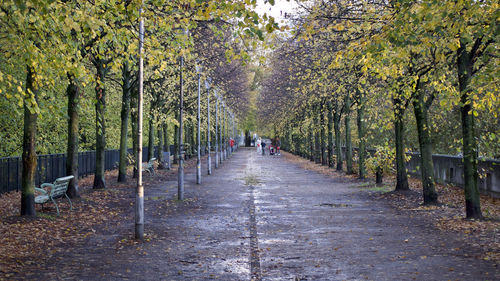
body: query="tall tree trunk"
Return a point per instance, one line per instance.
(166, 141)
(311, 139)
(125, 111)
(323, 136)
(176, 139)
(424, 140)
(471, 190)
(134, 103)
(361, 135)
(193, 138)
(348, 140)
(160, 148)
(100, 125)
(73, 92)
(187, 138)
(330, 134)
(151, 140)
(401, 174)
(29, 147)
(336, 126)
(317, 148)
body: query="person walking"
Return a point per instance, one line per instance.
(259, 145)
(263, 144)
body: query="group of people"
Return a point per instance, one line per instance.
(274, 147)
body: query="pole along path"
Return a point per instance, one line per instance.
(263, 218)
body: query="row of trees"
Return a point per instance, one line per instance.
(367, 63)
(82, 45)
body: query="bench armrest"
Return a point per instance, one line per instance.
(44, 185)
(43, 191)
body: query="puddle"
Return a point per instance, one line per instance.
(335, 205)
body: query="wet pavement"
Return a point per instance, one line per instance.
(263, 218)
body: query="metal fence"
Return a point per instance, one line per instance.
(53, 166)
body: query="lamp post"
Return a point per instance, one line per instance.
(222, 142)
(198, 156)
(225, 132)
(209, 163)
(180, 172)
(139, 194)
(216, 130)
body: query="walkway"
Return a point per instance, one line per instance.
(262, 218)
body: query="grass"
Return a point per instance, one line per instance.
(370, 186)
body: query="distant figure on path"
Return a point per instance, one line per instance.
(263, 147)
(259, 147)
(231, 144)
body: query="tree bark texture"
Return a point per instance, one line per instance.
(401, 174)
(125, 111)
(338, 148)
(100, 124)
(73, 92)
(348, 139)
(29, 157)
(176, 139)
(361, 135)
(330, 134)
(151, 139)
(311, 140)
(424, 140)
(166, 141)
(160, 148)
(324, 160)
(471, 190)
(134, 103)
(317, 148)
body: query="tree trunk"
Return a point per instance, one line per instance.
(73, 92)
(361, 135)
(348, 141)
(160, 148)
(100, 125)
(166, 141)
(29, 147)
(125, 111)
(379, 176)
(311, 140)
(330, 134)
(323, 136)
(424, 140)
(134, 103)
(317, 148)
(248, 139)
(471, 190)
(193, 138)
(151, 140)
(401, 175)
(176, 139)
(187, 140)
(336, 126)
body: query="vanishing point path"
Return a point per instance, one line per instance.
(263, 218)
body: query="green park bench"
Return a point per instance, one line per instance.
(150, 166)
(51, 191)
